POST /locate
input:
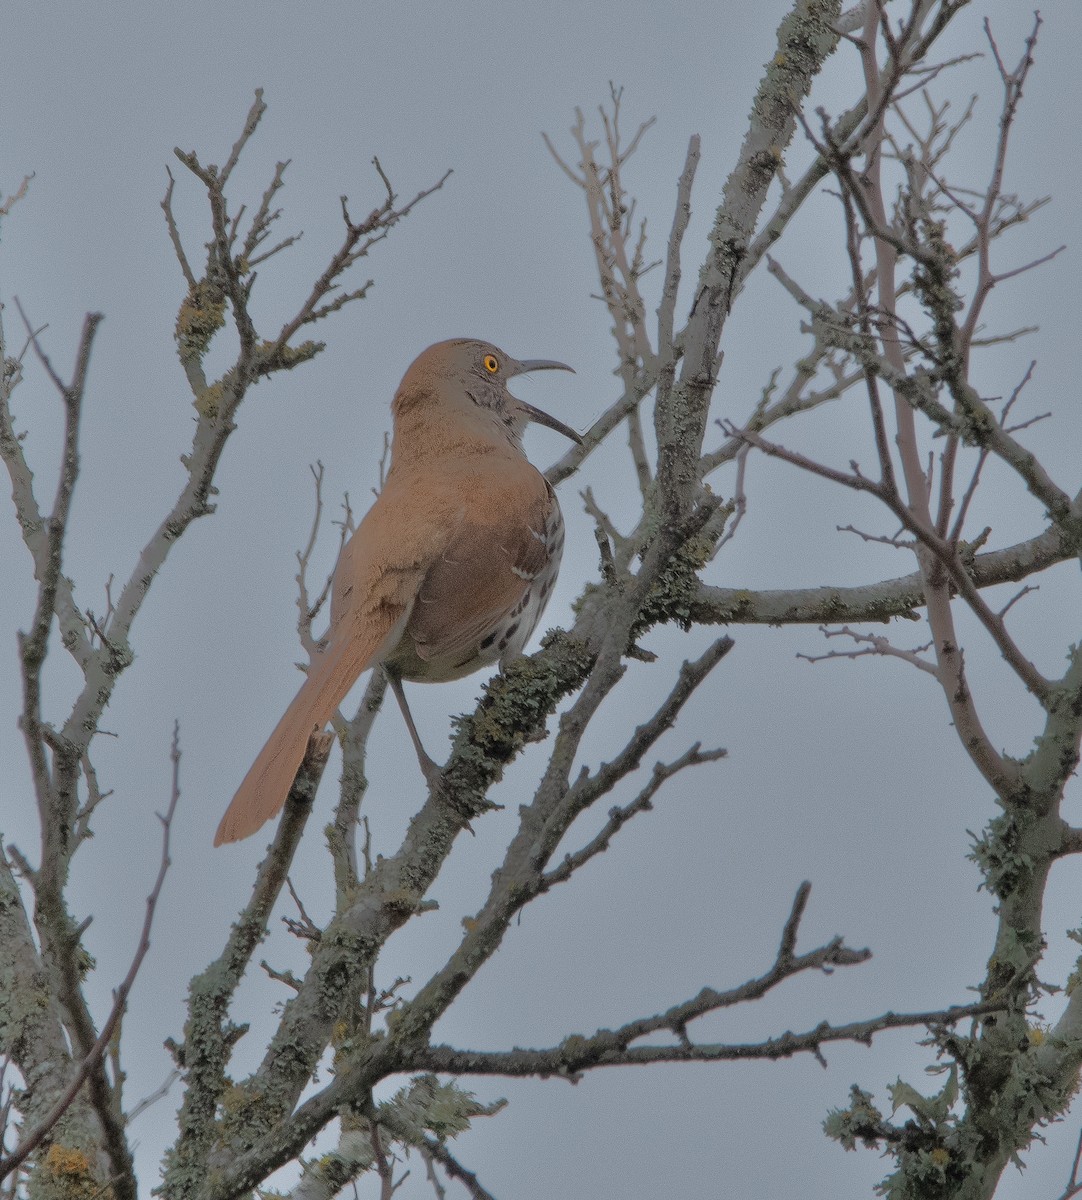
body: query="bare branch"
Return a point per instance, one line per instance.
(307, 609)
(615, 1047)
(204, 1058)
(438, 1152)
(805, 37)
(619, 816)
(32, 1139)
(879, 601)
(609, 1048)
(174, 232)
(874, 645)
(944, 554)
(150, 1100)
(1074, 1182)
(251, 122)
(9, 202)
(359, 238)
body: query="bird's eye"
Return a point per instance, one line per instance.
(492, 363)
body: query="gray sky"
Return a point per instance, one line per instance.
(844, 774)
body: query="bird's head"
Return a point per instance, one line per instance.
(467, 379)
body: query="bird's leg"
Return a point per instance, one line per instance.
(431, 769)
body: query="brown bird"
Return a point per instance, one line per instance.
(448, 572)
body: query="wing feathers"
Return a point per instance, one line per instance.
(484, 572)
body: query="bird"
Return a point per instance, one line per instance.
(447, 573)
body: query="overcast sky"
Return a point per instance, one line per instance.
(844, 774)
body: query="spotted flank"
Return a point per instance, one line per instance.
(523, 617)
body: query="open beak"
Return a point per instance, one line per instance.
(521, 367)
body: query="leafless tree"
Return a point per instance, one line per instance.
(895, 352)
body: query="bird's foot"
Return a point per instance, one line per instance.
(433, 774)
(431, 770)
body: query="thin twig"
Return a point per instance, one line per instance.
(32, 1139)
(438, 1152)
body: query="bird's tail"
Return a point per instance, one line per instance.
(266, 786)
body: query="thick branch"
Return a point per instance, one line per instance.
(805, 39)
(881, 601)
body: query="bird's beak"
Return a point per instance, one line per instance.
(525, 365)
(521, 367)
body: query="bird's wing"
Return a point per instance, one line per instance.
(376, 581)
(490, 562)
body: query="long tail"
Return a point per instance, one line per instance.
(266, 786)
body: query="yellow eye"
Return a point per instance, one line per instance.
(492, 363)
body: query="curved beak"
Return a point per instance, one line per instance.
(522, 366)
(537, 415)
